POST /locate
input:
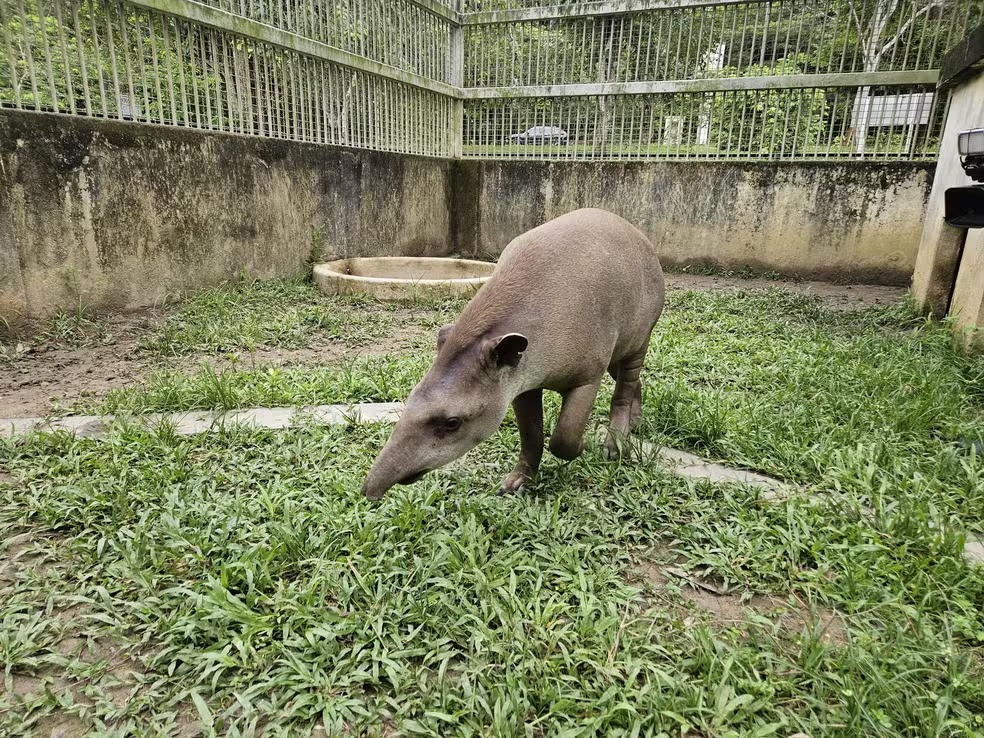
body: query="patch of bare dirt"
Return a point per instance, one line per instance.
(844, 297)
(52, 377)
(70, 664)
(47, 378)
(45, 375)
(733, 610)
(403, 338)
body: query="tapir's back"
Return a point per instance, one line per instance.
(586, 287)
(587, 246)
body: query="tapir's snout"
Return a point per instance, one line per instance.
(449, 413)
(397, 463)
(374, 489)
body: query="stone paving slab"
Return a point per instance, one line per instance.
(190, 423)
(689, 465)
(974, 551)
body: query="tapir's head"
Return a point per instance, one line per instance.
(457, 405)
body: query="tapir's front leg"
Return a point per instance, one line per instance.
(529, 417)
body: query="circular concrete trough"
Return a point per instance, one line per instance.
(402, 277)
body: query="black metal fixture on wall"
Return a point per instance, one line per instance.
(964, 206)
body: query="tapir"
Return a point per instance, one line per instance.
(567, 301)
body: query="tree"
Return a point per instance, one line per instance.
(906, 32)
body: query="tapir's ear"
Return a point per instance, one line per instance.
(442, 335)
(507, 350)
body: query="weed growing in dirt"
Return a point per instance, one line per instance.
(250, 315)
(76, 328)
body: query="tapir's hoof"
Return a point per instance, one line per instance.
(513, 483)
(616, 447)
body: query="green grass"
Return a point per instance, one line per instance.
(768, 380)
(245, 573)
(285, 314)
(387, 378)
(76, 328)
(706, 269)
(245, 580)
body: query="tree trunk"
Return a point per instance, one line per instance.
(873, 51)
(603, 119)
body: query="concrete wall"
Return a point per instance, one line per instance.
(949, 275)
(121, 215)
(967, 303)
(940, 247)
(853, 221)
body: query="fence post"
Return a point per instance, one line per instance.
(458, 81)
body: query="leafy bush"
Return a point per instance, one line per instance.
(767, 121)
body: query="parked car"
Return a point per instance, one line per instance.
(541, 134)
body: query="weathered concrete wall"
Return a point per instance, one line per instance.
(853, 221)
(120, 215)
(940, 246)
(967, 304)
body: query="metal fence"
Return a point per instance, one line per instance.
(750, 79)
(612, 79)
(265, 70)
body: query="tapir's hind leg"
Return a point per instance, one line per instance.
(529, 417)
(567, 441)
(626, 409)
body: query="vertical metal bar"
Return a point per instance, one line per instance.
(193, 71)
(12, 62)
(127, 64)
(230, 84)
(111, 44)
(182, 62)
(172, 98)
(457, 53)
(67, 70)
(29, 55)
(219, 81)
(97, 57)
(256, 88)
(152, 42)
(206, 93)
(142, 57)
(42, 18)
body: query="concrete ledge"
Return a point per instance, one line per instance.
(190, 423)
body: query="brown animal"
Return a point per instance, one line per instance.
(567, 301)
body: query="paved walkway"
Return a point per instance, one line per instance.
(188, 423)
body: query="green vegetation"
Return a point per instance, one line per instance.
(768, 380)
(768, 121)
(238, 582)
(285, 314)
(374, 379)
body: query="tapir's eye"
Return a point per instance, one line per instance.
(452, 424)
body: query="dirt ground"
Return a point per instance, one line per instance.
(47, 378)
(698, 598)
(834, 296)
